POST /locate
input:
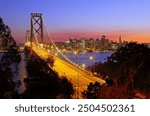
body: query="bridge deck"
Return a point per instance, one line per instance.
(78, 77)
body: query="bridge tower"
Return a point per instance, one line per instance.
(36, 27)
(27, 35)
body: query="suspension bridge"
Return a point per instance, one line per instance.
(79, 76)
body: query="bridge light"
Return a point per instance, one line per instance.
(75, 52)
(64, 50)
(83, 66)
(91, 58)
(56, 54)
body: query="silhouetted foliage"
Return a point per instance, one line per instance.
(128, 69)
(109, 81)
(92, 91)
(66, 89)
(114, 91)
(9, 57)
(50, 60)
(42, 82)
(6, 84)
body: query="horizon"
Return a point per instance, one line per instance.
(81, 19)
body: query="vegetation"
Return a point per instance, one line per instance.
(42, 82)
(8, 58)
(126, 72)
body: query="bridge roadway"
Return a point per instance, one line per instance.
(78, 77)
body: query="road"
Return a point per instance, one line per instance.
(78, 77)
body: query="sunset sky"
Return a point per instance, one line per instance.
(81, 18)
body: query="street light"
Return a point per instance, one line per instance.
(83, 66)
(75, 53)
(56, 54)
(92, 59)
(64, 50)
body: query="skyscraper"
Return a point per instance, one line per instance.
(120, 41)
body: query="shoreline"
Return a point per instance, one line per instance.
(88, 51)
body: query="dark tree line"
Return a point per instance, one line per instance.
(42, 82)
(9, 57)
(126, 71)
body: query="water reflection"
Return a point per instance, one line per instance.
(84, 58)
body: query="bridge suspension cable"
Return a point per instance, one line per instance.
(53, 43)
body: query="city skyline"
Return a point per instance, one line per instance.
(77, 19)
(83, 49)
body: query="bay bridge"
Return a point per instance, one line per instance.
(79, 76)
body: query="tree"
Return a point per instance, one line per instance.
(66, 89)
(7, 59)
(43, 82)
(111, 91)
(92, 91)
(133, 56)
(128, 70)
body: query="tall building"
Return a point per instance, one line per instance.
(120, 40)
(103, 39)
(97, 44)
(82, 43)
